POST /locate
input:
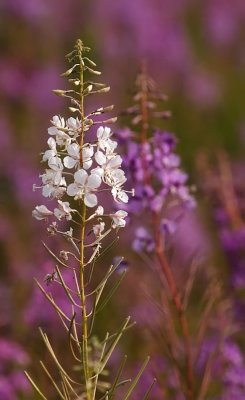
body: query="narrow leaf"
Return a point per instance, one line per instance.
(136, 380)
(35, 386)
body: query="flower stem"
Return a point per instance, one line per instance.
(166, 269)
(85, 356)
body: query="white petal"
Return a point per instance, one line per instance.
(99, 211)
(88, 151)
(72, 189)
(62, 182)
(100, 132)
(107, 132)
(71, 123)
(55, 163)
(94, 181)
(121, 214)
(58, 121)
(90, 200)
(87, 164)
(38, 216)
(48, 154)
(52, 130)
(98, 171)
(122, 196)
(43, 210)
(47, 190)
(64, 206)
(52, 144)
(100, 158)
(58, 214)
(73, 150)
(115, 162)
(69, 162)
(112, 144)
(81, 176)
(55, 120)
(56, 178)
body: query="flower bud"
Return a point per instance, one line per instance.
(59, 92)
(92, 71)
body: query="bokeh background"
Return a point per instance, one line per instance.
(195, 52)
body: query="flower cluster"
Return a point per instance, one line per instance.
(12, 381)
(159, 182)
(80, 172)
(224, 184)
(155, 170)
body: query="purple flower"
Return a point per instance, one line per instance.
(143, 241)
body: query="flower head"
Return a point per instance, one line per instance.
(119, 219)
(41, 212)
(84, 186)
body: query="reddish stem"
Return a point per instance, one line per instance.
(159, 245)
(166, 269)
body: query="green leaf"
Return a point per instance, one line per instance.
(136, 380)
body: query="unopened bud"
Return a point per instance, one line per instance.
(108, 109)
(69, 71)
(98, 84)
(76, 82)
(136, 119)
(90, 61)
(110, 120)
(88, 89)
(72, 109)
(88, 122)
(92, 71)
(104, 90)
(64, 255)
(59, 92)
(52, 229)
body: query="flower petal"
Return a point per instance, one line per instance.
(72, 189)
(81, 176)
(87, 164)
(69, 162)
(73, 150)
(90, 200)
(94, 181)
(100, 158)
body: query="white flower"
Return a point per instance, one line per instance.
(118, 219)
(52, 152)
(87, 153)
(98, 229)
(119, 194)
(99, 211)
(58, 122)
(41, 212)
(58, 130)
(108, 162)
(108, 170)
(74, 126)
(73, 159)
(55, 164)
(54, 184)
(116, 177)
(64, 210)
(83, 186)
(104, 141)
